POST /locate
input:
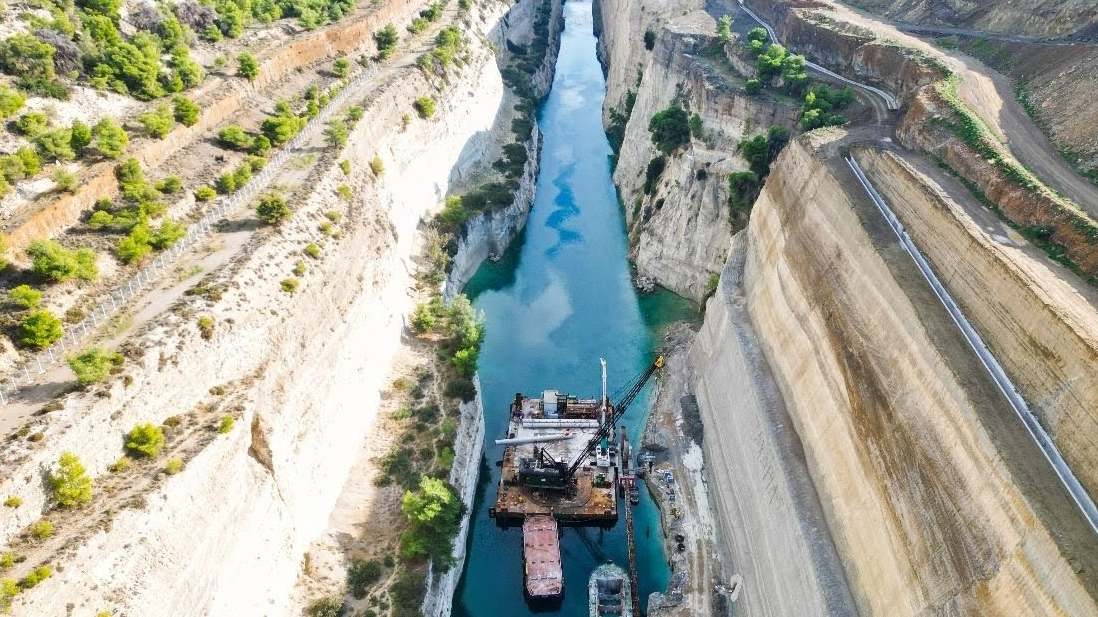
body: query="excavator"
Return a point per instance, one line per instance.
(546, 473)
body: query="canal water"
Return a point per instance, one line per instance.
(560, 298)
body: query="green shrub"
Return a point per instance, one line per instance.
(753, 86)
(135, 246)
(361, 574)
(281, 129)
(247, 66)
(36, 575)
(13, 502)
(8, 590)
(40, 329)
(56, 145)
(386, 40)
(653, 172)
(423, 319)
(109, 139)
(65, 181)
(206, 327)
(255, 162)
(290, 285)
(433, 513)
(170, 185)
(7, 560)
(53, 261)
(377, 166)
(42, 530)
(71, 484)
(744, 188)
(234, 137)
(326, 607)
(122, 464)
(158, 122)
(344, 192)
(226, 183)
(272, 209)
(93, 365)
(32, 124)
(336, 133)
(226, 424)
(333, 216)
(242, 174)
(10, 102)
(425, 106)
(173, 466)
(670, 129)
(145, 440)
(312, 250)
(184, 110)
(724, 28)
(204, 193)
(80, 137)
(355, 113)
(649, 39)
(341, 67)
(25, 296)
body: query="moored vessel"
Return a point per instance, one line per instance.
(610, 593)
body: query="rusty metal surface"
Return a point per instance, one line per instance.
(541, 557)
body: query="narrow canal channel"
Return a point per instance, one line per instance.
(560, 299)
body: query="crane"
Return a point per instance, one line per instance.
(553, 474)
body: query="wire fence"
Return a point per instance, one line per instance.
(29, 371)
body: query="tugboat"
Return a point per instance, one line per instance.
(609, 592)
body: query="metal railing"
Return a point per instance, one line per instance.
(28, 372)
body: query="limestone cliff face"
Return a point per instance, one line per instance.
(303, 372)
(681, 225)
(492, 232)
(930, 492)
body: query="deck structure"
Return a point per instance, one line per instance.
(544, 576)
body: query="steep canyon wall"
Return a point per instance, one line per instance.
(302, 372)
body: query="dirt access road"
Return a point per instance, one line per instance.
(991, 95)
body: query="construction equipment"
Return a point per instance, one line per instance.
(547, 473)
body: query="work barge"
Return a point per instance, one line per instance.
(563, 462)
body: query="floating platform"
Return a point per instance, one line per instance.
(561, 426)
(543, 574)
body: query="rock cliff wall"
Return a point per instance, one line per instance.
(681, 223)
(928, 489)
(492, 232)
(226, 535)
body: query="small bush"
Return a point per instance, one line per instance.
(145, 440)
(13, 502)
(122, 464)
(377, 166)
(70, 483)
(346, 167)
(234, 137)
(32, 124)
(25, 296)
(299, 269)
(670, 129)
(109, 139)
(173, 421)
(312, 250)
(386, 40)
(649, 39)
(341, 67)
(336, 133)
(36, 576)
(226, 424)
(42, 530)
(184, 110)
(40, 330)
(226, 183)
(206, 327)
(247, 66)
(52, 261)
(290, 285)
(425, 106)
(204, 193)
(170, 185)
(173, 466)
(94, 365)
(272, 209)
(159, 122)
(64, 181)
(361, 574)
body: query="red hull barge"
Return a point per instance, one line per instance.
(544, 577)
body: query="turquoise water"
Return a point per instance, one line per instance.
(559, 299)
